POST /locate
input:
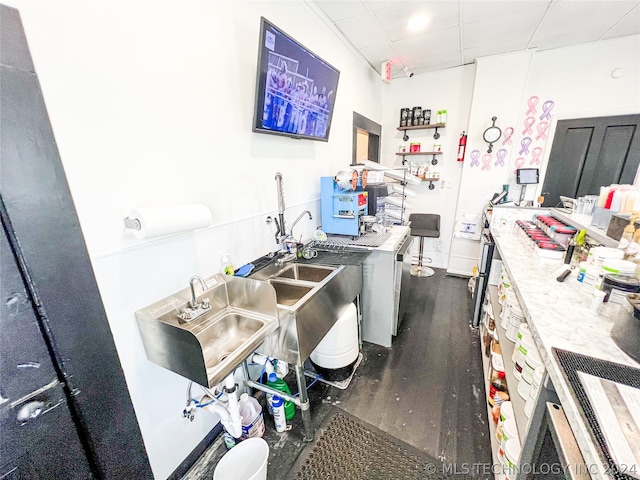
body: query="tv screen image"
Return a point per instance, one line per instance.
(295, 89)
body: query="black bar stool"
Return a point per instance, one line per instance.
(424, 225)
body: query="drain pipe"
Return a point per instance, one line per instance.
(301, 401)
(230, 415)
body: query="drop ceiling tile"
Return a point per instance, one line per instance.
(340, 10)
(436, 61)
(378, 4)
(512, 45)
(503, 28)
(429, 44)
(394, 19)
(588, 22)
(475, 11)
(376, 55)
(362, 31)
(628, 25)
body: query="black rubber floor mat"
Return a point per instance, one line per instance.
(572, 363)
(347, 448)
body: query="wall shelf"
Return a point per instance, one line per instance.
(584, 222)
(436, 135)
(434, 160)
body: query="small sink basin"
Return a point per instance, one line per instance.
(306, 273)
(289, 294)
(206, 349)
(225, 336)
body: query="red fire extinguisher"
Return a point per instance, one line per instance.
(462, 147)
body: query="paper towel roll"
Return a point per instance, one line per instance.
(158, 221)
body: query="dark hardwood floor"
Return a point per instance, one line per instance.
(425, 390)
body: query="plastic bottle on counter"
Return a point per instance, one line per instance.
(280, 384)
(279, 415)
(227, 266)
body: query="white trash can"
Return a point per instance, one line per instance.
(246, 461)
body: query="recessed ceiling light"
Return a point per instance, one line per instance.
(418, 23)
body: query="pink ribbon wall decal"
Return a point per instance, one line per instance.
(546, 110)
(486, 161)
(528, 123)
(508, 133)
(519, 164)
(535, 156)
(524, 143)
(475, 158)
(532, 102)
(542, 130)
(500, 156)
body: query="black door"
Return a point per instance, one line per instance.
(35, 420)
(588, 153)
(65, 411)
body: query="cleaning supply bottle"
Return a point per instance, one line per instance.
(252, 418)
(227, 266)
(279, 384)
(279, 416)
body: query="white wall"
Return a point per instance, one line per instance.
(151, 104)
(577, 79)
(449, 89)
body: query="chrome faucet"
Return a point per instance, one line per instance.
(193, 303)
(195, 309)
(298, 219)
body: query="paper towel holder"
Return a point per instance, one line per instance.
(132, 223)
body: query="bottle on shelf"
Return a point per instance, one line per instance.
(279, 415)
(280, 384)
(252, 419)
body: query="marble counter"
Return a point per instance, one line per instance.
(559, 316)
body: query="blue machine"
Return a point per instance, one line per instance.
(340, 208)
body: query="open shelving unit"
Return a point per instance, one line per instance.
(495, 446)
(506, 345)
(434, 160)
(436, 126)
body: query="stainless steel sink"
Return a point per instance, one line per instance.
(307, 273)
(310, 300)
(289, 294)
(243, 313)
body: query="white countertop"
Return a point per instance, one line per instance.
(558, 315)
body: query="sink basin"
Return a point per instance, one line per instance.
(289, 293)
(306, 273)
(227, 337)
(207, 349)
(310, 298)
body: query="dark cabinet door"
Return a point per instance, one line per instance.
(588, 153)
(38, 437)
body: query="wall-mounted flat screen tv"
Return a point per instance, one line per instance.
(295, 89)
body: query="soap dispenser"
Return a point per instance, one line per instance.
(227, 266)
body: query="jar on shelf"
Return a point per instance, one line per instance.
(498, 390)
(526, 344)
(489, 333)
